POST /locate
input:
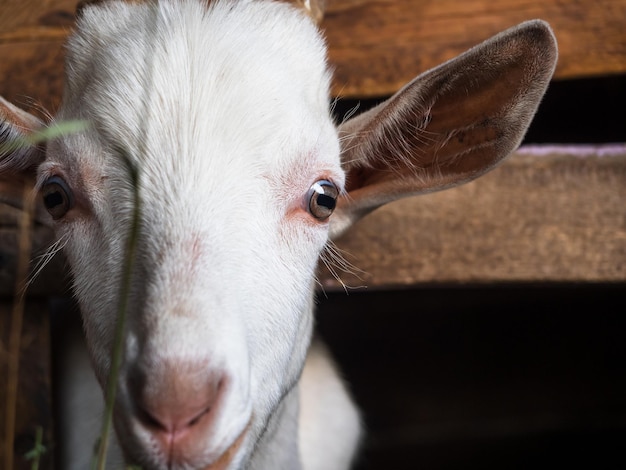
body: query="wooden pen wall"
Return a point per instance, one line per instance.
(490, 333)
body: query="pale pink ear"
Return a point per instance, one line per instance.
(449, 125)
(16, 155)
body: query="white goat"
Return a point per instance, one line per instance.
(224, 111)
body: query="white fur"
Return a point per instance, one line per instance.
(228, 124)
(223, 111)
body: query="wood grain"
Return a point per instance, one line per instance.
(51, 281)
(546, 215)
(24, 20)
(375, 46)
(31, 75)
(549, 214)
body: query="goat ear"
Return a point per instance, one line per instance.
(16, 155)
(449, 125)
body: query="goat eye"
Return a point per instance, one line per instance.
(322, 199)
(57, 197)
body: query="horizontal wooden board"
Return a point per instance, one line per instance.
(375, 46)
(549, 214)
(51, 281)
(31, 75)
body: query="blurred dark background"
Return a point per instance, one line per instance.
(573, 111)
(493, 376)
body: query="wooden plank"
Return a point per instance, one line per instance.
(33, 408)
(24, 20)
(53, 279)
(375, 47)
(32, 33)
(17, 14)
(31, 75)
(549, 214)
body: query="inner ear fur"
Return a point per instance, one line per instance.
(450, 124)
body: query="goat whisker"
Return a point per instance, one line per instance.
(43, 259)
(334, 260)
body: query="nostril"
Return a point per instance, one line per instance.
(163, 413)
(171, 423)
(150, 421)
(200, 415)
(177, 401)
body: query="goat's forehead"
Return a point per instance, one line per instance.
(208, 101)
(179, 74)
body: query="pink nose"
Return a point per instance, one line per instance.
(177, 402)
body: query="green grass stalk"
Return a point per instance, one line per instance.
(116, 359)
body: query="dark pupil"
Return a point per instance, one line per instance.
(53, 199)
(326, 201)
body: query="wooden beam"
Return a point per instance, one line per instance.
(375, 47)
(49, 282)
(548, 214)
(31, 75)
(22, 20)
